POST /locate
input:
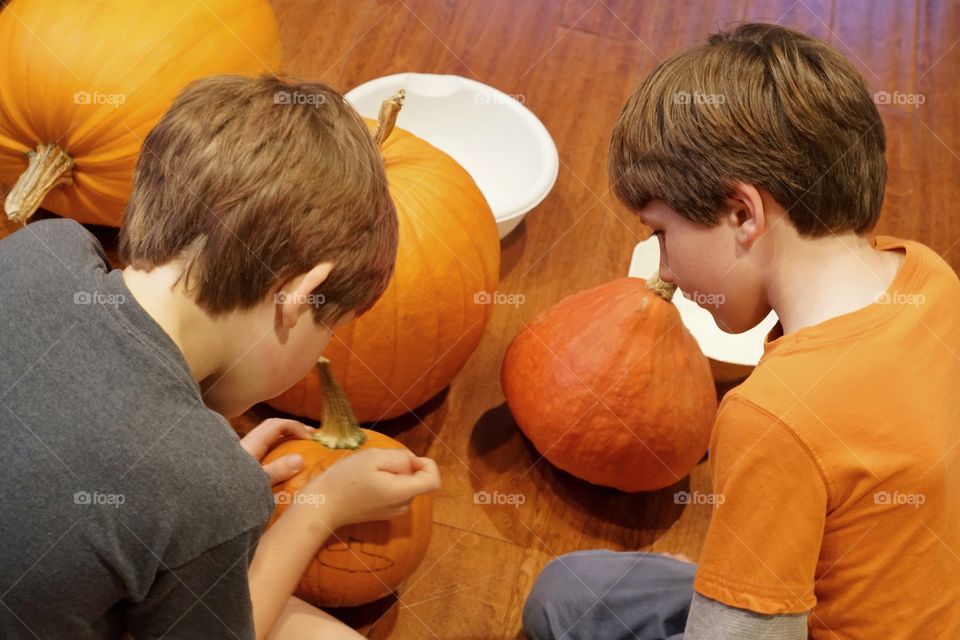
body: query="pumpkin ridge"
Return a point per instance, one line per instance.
(104, 139)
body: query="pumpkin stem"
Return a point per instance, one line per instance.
(663, 289)
(387, 118)
(340, 429)
(48, 166)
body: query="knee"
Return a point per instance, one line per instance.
(557, 599)
(595, 594)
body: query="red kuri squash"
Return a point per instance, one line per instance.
(610, 386)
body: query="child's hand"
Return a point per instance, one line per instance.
(678, 556)
(264, 436)
(374, 484)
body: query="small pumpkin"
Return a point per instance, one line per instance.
(82, 83)
(610, 386)
(421, 332)
(362, 562)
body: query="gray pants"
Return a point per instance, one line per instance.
(607, 595)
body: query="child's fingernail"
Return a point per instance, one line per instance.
(296, 462)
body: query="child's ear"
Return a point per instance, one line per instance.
(746, 213)
(295, 293)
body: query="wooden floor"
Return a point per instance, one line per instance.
(575, 62)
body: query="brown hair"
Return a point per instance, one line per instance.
(252, 181)
(762, 105)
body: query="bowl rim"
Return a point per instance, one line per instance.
(540, 187)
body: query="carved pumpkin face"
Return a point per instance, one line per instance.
(363, 562)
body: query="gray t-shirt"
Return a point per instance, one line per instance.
(127, 504)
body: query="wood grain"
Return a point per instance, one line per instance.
(574, 63)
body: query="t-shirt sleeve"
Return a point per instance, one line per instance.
(766, 530)
(207, 597)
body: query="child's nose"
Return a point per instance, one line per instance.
(666, 274)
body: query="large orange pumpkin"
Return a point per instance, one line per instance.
(610, 386)
(82, 83)
(363, 562)
(412, 343)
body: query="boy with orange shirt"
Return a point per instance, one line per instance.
(757, 160)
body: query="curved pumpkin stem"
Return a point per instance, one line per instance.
(663, 289)
(387, 118)
(49, 166)
(340, 429)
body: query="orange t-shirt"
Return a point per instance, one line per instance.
(836, 466)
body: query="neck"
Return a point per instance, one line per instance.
(822, 278)
(199, 337)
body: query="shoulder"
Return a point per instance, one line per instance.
(932, 266)
(46, 261)
(744, 420)
(741, 418)
(59, 238)
(749, 438)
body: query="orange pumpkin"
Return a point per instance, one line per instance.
(82, 83)
(610, 386)
(412, 343)
(363, 562)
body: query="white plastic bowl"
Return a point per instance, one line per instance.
(741, 349)
(501, 143)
